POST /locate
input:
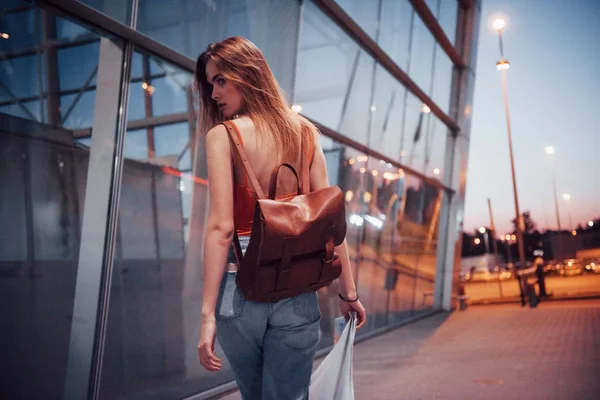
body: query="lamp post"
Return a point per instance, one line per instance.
(502, 66)
(550, 152)
(567, 198)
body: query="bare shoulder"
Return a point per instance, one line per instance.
(217, 135)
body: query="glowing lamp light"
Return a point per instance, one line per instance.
(376, 222)
(4, 35)
(502, 237)
(477, 240)
(367, 197)
(502, 64)
(362, 170)
(389, 176)
(549, 150)
(297, 108)
(425, 109)
(574, 232)
(356, 220)
(349, 196)
(482, 230)
(499, 24)
(567, 196)
(351, 161)
(436, 171)
(374, 173)
(591, 223)
(513, 237)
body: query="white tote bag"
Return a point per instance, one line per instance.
(332, 380)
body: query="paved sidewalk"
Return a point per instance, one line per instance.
(487, 352)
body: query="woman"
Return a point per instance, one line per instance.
(270, 346)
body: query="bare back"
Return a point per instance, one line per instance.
(263, 159)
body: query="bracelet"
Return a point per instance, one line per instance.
(346, 300)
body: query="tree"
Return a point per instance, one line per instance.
(532, 239)
(530, 225)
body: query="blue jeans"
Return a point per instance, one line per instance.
(270, 346)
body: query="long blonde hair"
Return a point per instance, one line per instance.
(242, 63)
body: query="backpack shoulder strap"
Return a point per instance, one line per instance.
(233, 131)
(305, 161)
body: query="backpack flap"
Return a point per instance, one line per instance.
(309, 219)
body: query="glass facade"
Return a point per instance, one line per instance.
(105, 193)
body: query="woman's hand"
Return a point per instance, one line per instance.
(356, 306)
(206, 345)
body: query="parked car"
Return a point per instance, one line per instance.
(593, 267)
(481, 274)
(571, 267)
(501, 273)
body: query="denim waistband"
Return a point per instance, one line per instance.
(231, 258)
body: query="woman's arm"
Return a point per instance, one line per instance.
(219, 233)
(319, 180)
(220, 226)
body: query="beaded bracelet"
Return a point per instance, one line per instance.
(348, 301)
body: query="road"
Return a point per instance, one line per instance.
(573, 286)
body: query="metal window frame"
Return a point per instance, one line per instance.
(366, 43)
(373, 153)
(448, 256)
(98, 227)
(437, 31)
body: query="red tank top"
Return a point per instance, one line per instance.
(244, 198)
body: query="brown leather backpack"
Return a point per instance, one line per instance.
(291, 248)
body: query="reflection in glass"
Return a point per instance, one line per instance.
(156, 293)
(190, 26)
(334, 93)
(43, 173)
(119, 10)
(446, 13)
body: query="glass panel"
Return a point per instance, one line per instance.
(364, 13)
(81, 110)
(442, 79)
(423, 140)
(68, 31)
(418, 232)
(448, 18)
(136, 144)
(77, 67)
(446, 12)
(188, 26)
(396, 22)
(43, 173)
(169, 93)
(22, 26)
(117, 9)
(155, 303)
(19, 78)
(387, 122)
(421, 56)
(171, 140)
(335, 93)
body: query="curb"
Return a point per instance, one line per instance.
(513, 300)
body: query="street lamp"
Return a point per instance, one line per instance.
(567, 198)
(503, 65)
(591, 223)
(550, 151)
